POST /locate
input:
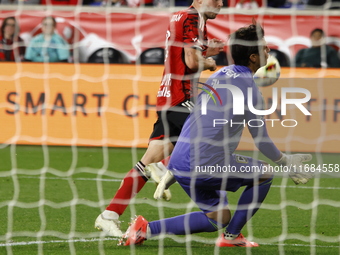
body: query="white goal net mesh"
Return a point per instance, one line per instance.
(71, 131)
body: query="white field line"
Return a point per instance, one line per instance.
(84, 240)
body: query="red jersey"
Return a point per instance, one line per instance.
(187, 29)
(8, 52)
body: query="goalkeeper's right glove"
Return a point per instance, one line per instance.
(295, 163)
(167, 180)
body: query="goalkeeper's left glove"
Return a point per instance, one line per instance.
(167, 180)
(295, 163)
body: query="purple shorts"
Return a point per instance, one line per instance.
(209, 191)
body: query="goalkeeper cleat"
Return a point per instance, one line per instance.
(157, 171)
(109, 227)
(136, 233)
(239, 241)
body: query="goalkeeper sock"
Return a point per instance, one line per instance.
(194, 222)
(229, 236)
(132, 183)
(251, 194)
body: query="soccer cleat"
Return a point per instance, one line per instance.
(156, 171)
(136, 233)
(239, 241)
(109, 227)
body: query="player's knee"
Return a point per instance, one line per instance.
(268, 177)
(221, 217)
(157, 150)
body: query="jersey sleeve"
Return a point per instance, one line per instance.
(192, 36)
(258, 129)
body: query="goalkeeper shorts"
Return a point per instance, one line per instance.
(209, 190)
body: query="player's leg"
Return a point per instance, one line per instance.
(190, 223)
(132, 183)
(248, 204)
(214, 215)
(166, 130)
(175, 119)
(137, 177)
(162, 140)
(256, 190)
(194, 222)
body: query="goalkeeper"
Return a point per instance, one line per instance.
(204, 144)
(187, 53)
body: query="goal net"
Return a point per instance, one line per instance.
(71, 131)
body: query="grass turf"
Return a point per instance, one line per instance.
(52, 195)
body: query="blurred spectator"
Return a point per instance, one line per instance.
(244, 4)
(11, 45)
(19, 2)
(48, 46)
(326, 4)
(319, 55)
(129, 3)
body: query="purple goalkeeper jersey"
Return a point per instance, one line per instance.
(213, 131)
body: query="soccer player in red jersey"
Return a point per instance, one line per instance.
(187, 53)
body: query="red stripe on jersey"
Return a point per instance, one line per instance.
(157, 138)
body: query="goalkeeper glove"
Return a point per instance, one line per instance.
(167, 180)
(295, 163)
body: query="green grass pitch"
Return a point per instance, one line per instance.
(50, 197)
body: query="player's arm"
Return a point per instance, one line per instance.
(194, 46)
(215, 46)
(293, 163)
(269, 149)
(196, 61)
(259, 132)
(263, 141)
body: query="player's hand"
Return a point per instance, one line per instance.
(215, 46)
(294, 162)
(167, 180)
(211, 64)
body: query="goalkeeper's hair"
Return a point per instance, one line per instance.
(245, 42)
